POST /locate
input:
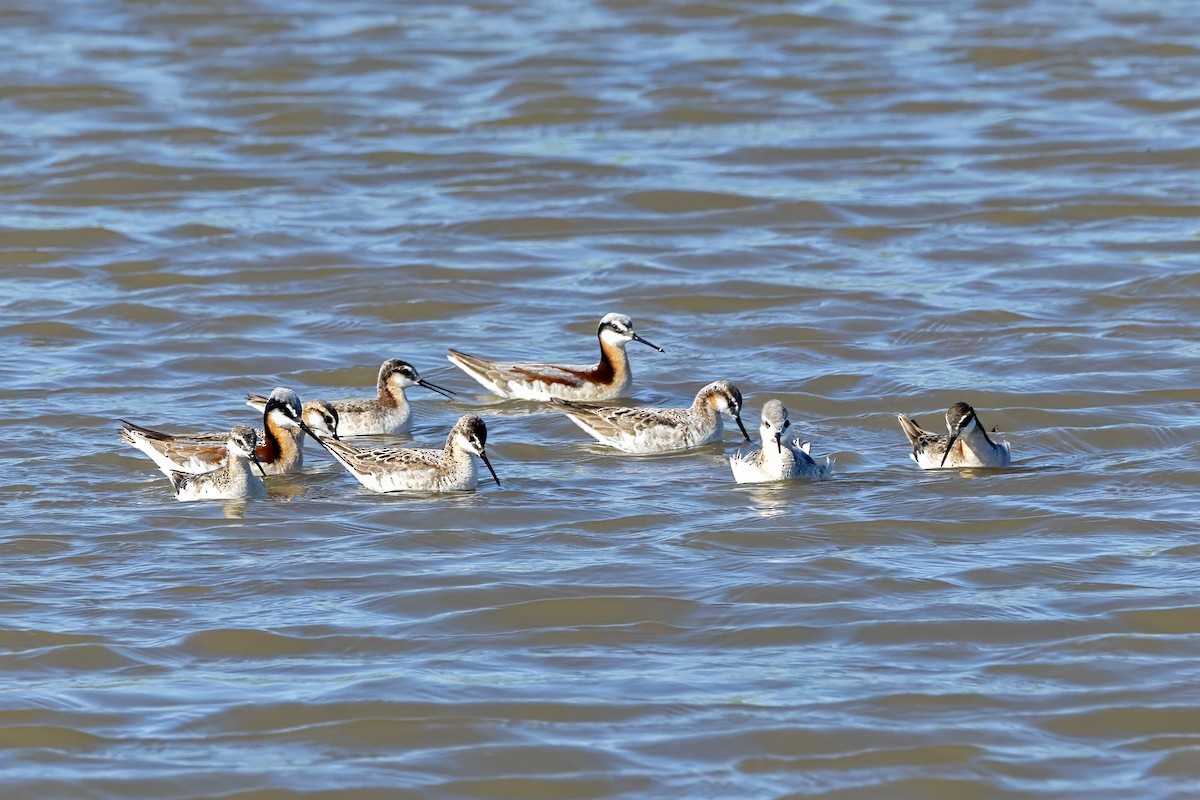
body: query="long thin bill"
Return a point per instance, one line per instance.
(946, 454)
(779, 441)
(257, 463)
(325, 445)
(637, 338)
(435, 388)
(738, 420)
(304, 427)
(488, 464)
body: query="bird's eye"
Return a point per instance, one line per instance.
(766, 424)
(786, 424)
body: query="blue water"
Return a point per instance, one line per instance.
(857, 208)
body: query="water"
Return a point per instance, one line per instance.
(859, 208)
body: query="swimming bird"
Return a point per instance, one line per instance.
(607, 379)
(389, 412)
(284, 423)
(661, 430)
(232, 480)
(396, 469)
(967, 444)
(779, 458)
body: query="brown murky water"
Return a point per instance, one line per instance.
(859, 208)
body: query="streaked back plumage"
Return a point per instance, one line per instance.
(967, 445)
(608, 378)
(660, 430)
(388, 412)
(395, 469)
(233, 479)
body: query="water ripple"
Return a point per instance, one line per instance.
(858, 209)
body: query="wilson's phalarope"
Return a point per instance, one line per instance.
(396, 469)
(284, 424)
(778, 458)
(232, 480)
(609, 378)
(661, 430)
(967, 444)
(388, 413)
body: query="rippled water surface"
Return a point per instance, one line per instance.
(858, 208)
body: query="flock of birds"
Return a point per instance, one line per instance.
(216, 466)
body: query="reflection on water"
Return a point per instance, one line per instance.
(234, 509)
(286, 487)
(770, 499)
(858, 208)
